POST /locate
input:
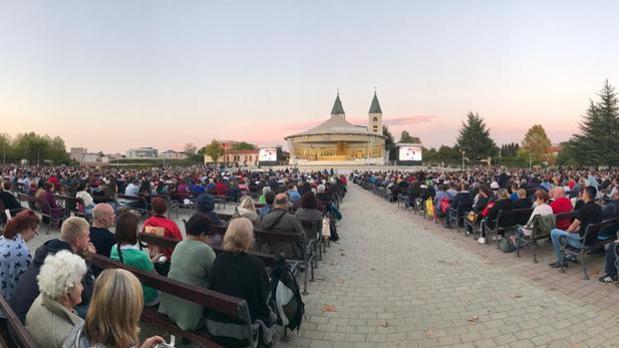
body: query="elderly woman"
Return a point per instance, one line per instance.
(52, 316)
(113, 316)
(541, 208)
(262, 199)
(247, 209)
(238, 274)
(192, 261)
(14, 253)
(128, 252)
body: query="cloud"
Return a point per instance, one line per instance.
(408, 120)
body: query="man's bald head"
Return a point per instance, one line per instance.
(558, 192)
(281, 201)
(103, 215)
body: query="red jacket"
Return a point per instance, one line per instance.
(562, 205)
(170, 230)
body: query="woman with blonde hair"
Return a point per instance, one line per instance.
(241, 275)
(247, 209)
(113, 315)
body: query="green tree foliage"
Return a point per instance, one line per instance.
(509, 150)
(389, 143)
(39, 149)
(535, 145)
(214, 150)
(243, 146)
(599, 132)
(406, 138)
(474, 139)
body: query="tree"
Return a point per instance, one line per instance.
(214, 150)
(509, 150)
(189, 149)
(599, 132)
(243, 146)
(535, 145)
(474, 139)
(405, 137)
(36, 149)
(389, 144)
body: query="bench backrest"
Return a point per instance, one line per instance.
(590, 236)
(224, 304)
(20, 334)
(512, 217)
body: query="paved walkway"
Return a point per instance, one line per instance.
(396, 280)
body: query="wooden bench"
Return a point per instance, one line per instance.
(19, 336)
(214, 301)
(22, 197)
(591, 232)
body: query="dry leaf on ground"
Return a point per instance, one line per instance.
(384, 323)
(516, 296)
(429, 333)
(327, 308)
(473, 319)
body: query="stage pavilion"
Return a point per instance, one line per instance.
(339, 142)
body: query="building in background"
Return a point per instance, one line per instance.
(336, 141)
(241, 158)
(77, 153)
(142, 152)
(171, 154)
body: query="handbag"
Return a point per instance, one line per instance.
(472, 216)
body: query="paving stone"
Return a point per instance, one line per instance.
(406, 282)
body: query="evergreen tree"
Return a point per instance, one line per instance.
(389, 144)
(474, 139)
(406, 138)
(599, 132)
(509, 150)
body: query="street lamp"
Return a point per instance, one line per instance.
(462, 168)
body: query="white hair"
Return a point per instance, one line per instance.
(266, 189)
(321, 188)
(59, 273)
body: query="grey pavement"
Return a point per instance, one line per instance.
(396, 280)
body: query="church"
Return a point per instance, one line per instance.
(339, 142)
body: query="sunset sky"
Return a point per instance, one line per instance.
(111, 75)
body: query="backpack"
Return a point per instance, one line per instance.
(285, 299)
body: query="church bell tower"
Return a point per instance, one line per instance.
(375, 117)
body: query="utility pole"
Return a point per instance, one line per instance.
(4, 153)
(462, 168)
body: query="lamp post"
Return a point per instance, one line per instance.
(462, 168)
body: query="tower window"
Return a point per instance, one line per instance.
(375, 119)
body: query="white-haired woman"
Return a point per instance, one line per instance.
(52, 316)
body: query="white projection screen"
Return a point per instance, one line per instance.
(409, 153)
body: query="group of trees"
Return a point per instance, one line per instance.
(34, 148)
(598, 141)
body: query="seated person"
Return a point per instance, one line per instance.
(561, 204)
(610, 269)
(14, 252)
(247, 209)
(281, 221)
(128, 252)
(480, 203)
(102, 238)
(192, 260)
(461, 199)
(158, 224)
(262, 198)
(9, 201)
(523, 202)
(268, 206)
(503, 203)
(113, 315)
(74, 237)
(52, 316)
(205, 204)
(239, 274)
(590, 213)
(86, 198)
(541, 208)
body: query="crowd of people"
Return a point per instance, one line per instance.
(65, 301)
(474, 198)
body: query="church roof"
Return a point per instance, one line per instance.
(337, 106)
(375, 107)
